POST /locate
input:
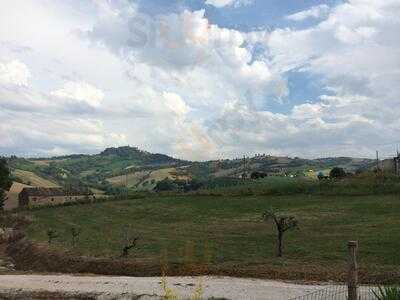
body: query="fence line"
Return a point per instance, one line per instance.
(339, 292)
(349, 291)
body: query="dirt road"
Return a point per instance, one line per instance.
(104, 287)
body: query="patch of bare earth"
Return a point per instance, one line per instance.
(102, 287)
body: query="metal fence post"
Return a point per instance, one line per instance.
(352, 280)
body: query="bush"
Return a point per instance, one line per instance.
(337, 173)
(165, 185)
(257, 175)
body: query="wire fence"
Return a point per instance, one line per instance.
(339, 292)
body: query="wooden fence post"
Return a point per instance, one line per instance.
(352, 280)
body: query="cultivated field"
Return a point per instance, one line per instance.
(146, 180)
(227, 232)
(33, 179)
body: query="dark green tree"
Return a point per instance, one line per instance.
(337, 173)
(3, 198)
(321, 176)
(165, 185)
(5, 181)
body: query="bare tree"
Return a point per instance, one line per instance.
(129, 244)
(51, 235)
(75, 232)
(282, 223)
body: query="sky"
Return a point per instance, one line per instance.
(200, 79)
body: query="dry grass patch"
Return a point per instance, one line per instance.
(33, 179)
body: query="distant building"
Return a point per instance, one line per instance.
(36, 196)
(12, 195)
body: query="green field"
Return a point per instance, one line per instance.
(227, 231)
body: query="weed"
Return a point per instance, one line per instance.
(387, 293)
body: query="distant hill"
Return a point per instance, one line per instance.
(116, 167)
(139, 156)
(101, 171)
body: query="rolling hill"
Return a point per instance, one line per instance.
(141, 170)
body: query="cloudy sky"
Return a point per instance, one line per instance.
(200, 79)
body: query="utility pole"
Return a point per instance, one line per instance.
(377, 161)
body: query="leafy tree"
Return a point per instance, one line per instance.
(320, 176)
(5, 181)
(192, 185)
(257, 175)
(337, 173)
(165, 185)
(282, 223)
(2, 199)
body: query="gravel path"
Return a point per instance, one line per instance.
(104, 287)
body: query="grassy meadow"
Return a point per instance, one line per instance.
(360, 185)
(227, 231)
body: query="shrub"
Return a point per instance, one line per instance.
(337, 173)
(165, 185)
(387, 293)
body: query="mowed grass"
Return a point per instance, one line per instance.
(229, 230)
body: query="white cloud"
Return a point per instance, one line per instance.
(178, 84)
(224, 3)
(355, 53)
(353, 50)
(80, 91)
(14, 72)
(316, 12)
(175, 103)
(28, 133)
(187, 55)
